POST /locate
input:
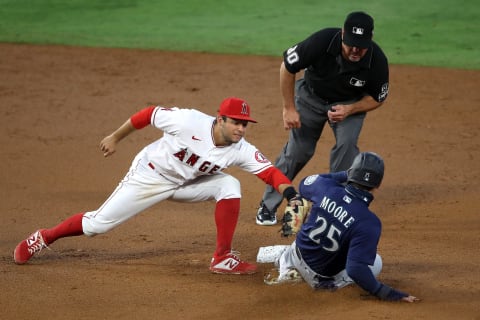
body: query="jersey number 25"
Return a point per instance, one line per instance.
(325, 234)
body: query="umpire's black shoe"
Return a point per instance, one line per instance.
(265, 217)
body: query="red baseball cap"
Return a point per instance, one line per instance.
(235, 108)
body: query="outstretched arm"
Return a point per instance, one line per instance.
(274, 177)
(139, 120)
(362, 275)
(109, 143)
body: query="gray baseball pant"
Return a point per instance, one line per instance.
(302, 141)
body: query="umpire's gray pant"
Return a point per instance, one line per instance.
(302, 141)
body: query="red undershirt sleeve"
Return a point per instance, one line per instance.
(273, 177)
(142, 118)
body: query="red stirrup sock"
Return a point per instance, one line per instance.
(70, 227)
(226, 217)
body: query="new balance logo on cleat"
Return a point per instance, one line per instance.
(28, 247)
(32, 240)
(230, 263)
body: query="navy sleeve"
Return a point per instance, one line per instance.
(340, 177)
(361, 254)
(311, 185)
(362, 275)
(364, 241)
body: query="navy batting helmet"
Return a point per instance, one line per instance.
(366, 170)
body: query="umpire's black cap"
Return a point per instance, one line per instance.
(358, 30)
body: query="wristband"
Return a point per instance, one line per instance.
(383, 292)
(387, 293)
(289, 193)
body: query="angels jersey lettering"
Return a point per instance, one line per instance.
(189, 149)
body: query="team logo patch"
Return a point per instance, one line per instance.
(357, 30)
(260, 157)
(244, 109)
(310, 179)
(357, 82)
(347, 199)
(384, 92)
(366, 177)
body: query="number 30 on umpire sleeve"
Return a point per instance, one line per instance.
(292, 55)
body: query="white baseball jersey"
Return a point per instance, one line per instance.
(162, 169)
(187, 150)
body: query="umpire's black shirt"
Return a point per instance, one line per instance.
(333, 78)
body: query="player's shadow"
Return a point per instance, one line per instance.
(94, 256)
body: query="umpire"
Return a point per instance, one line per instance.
(345, 76)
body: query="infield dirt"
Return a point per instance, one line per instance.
(57, 103)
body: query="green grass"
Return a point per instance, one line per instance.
(423, 32)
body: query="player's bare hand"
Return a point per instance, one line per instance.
(291, 119)
(339, 112)
(108, 145)
(410, 299)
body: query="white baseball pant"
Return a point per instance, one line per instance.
(142, 187)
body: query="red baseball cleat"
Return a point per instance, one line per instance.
(230, 263)
(28, 247)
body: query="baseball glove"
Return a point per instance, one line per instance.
(295, 214)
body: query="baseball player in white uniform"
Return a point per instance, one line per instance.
(184, 165)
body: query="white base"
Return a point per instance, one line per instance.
(270, 254)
